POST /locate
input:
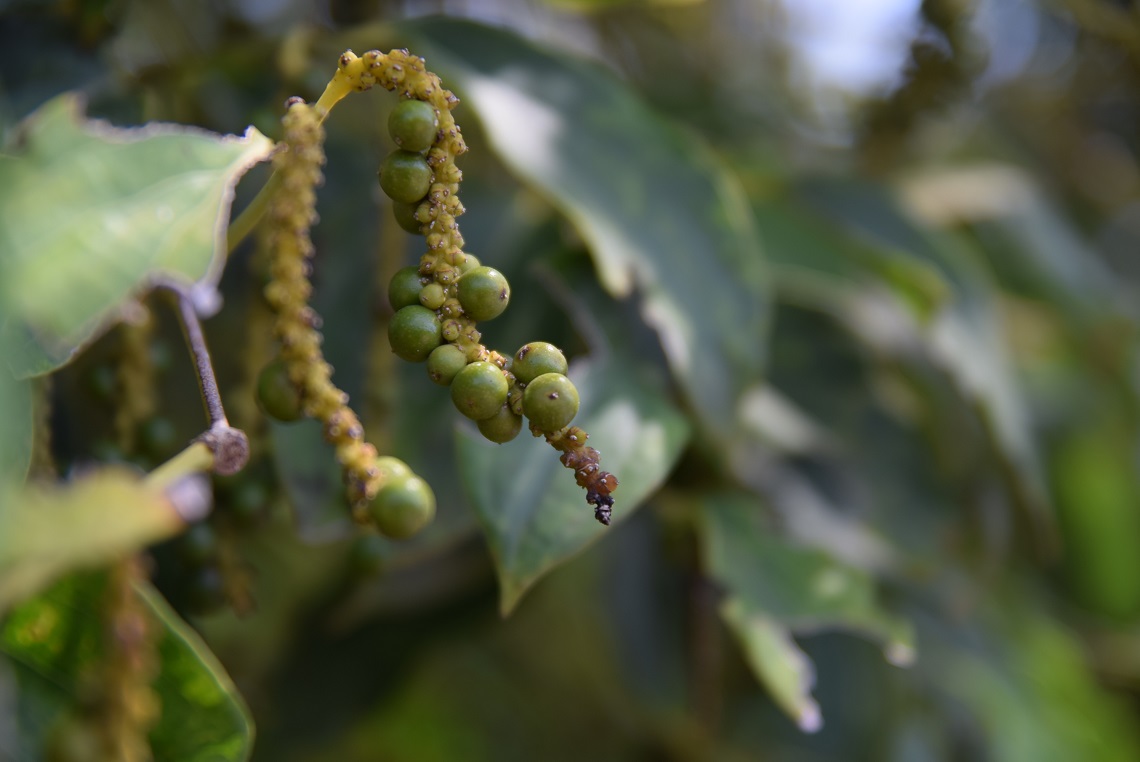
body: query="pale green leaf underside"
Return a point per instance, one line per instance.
(801, 588)
(89, 214)
(534, 514)
(46, 531)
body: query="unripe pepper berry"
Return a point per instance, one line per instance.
(277, 395)
(445, 362)
(405, 176)
(413, 125)
(479, 390)
(470, 262)
(414, 332)
(392, 468)
(502, 427)
(483, 293)
(550, 401)
(402, 507)
(405, 287)
(536, 358)
(432, 296)
(405, 215)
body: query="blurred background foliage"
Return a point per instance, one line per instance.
(849, 290)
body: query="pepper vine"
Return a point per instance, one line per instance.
(438, 303)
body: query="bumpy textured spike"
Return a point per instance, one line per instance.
(128, 705)
(443, 262)
(292, 213)
(585, 462)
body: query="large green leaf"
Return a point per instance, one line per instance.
(534, 514)
(55, 643)
(45, 531)
(89, 214)
(204, 718)
(16, 434)
(661, 217)
(1032, 692)
(777, 661)
(801, 588)
(939, 309)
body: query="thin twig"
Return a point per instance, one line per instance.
(196, 341)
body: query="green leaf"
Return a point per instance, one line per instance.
(16, 434)
(662, 218)
(533, 512)
(55, 643)
(780, 665)
(953, 325)
(1035, 696)
(204, 718)
(90, 214)
(46, 531)
(804, 589)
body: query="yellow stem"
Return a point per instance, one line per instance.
(195, 459)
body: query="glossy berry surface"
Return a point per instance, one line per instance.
(277, 396)
(413, 125)
(405, 176)
(403, 507)
(484, 293)
(414, 332)
(405, 215)
(479, 390)
(470, 262)
(432, 296)
(404, 288)
(502, 427)
(536, 358)
(392, 468)
(445, 362)
(550, 401)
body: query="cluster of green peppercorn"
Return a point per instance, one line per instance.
(436, 306)
(436, 309)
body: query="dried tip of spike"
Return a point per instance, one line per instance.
(602, 505)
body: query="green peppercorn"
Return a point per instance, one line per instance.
(450, 330)
(413, 125)
(405, 176)
(550, 401)
(432, 296)
(405, 215)
(479, 390)
(470, 262)
(391, 468)
(403, 507)
(277, 395)
(483, 293)
(414, 332)
(502, 427)
(536, 358)
(444, 362)
(404, 288)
